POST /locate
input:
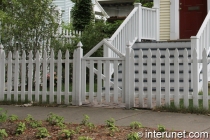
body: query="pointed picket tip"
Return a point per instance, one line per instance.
(176, 54)
(204, 53)
(79, 45)
(30, 55)
(132, 53)
(52, 54)
(37, 55)
(59, 54)
(10, 54)
(167, 53)
(24, 55)
(16, 54)
(128, 44)
(2, 55)
(185, 53)
(195, 54)
(149, 53)
(140, 53)
(67, 54)
(158, 55)
(45, 54)
(1, 46)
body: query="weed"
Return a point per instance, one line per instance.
(136, 125)
(67, 133)
(133, 136)
(29, 118)
(20, 128)
(35, 124)
(112, 130)
(91, 126)
(110, 122)
(42, 133)
(54, 119)
(3, 134)
(85, 120)
(3, 115)
(77, 129)
(161, 128)
(84, 138)
(13, 118)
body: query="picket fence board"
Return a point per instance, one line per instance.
(67, 77)
(158, 78)
(59, 76)
(186, 77)
(205, 80)
(115, 81)
(37, 78)
(99, 81)
(195, 78)
(91, 82)
(141, 84)
(52, 77)
(44, 82)
(9, 76)
(149, 79)
(16, 78)
(107, 83)
(30, 76)
(176, 78)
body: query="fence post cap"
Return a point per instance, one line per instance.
(137, 4)
(79, 45)
(128, 44)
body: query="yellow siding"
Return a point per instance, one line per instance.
(164, 19)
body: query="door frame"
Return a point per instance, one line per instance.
(174, 22)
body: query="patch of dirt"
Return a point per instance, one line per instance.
(100, 132)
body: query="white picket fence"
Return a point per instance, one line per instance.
(100, 87)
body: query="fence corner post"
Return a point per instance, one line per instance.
(139, 27)
(76, 95)
(1, 72)
(127, 76)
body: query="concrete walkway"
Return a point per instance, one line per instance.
(172, 121)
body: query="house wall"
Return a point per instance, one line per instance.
(119, 11)
(164, 20)
(65, 6)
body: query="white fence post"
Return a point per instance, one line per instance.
(127, 76)
(76, 95)
(2, 69)
(139, 27)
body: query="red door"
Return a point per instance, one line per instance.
(192, 14)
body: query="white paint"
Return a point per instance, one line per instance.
(174, 20)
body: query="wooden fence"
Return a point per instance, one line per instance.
(99, 86)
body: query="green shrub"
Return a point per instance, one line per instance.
(42, 133)
(112, 130)
(67, 133)
(3, 115)
(85, 120)
(54, 119)
(29, 118)
(13, 118)
(135, 125)
(110, 122)
(35, 124)
(133, 136)
(161, 128)
(20, 128)
(3, 134)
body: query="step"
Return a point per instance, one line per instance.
(153, 80)
(153, 89)
(163, 44)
